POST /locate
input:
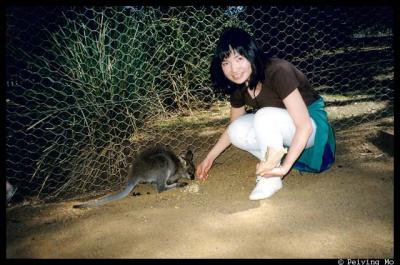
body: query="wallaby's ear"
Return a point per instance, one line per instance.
(189, 155)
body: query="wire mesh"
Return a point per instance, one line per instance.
(87, 87)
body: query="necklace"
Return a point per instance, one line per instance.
(255, 97)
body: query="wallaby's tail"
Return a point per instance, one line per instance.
(109, 198)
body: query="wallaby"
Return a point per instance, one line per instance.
(158, 166)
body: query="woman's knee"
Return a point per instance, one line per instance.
(267, 115)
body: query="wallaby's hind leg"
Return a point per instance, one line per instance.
(166, 187)
(162, 183)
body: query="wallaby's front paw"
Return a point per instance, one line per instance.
(182, 184)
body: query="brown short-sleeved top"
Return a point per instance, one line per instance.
(281, 78)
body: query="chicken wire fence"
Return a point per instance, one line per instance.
(87, 87)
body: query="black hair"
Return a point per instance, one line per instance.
(240, 41)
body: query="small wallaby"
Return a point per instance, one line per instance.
(158, 166)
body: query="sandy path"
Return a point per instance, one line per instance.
(345, 212)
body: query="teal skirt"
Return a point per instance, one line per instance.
(321, 155)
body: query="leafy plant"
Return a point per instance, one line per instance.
(102, 75)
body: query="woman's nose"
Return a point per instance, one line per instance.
(234, 67)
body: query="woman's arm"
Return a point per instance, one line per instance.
(297, 109)
(222, 143)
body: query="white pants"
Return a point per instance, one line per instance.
(268, 127)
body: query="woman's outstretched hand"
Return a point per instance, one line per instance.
(203, 168)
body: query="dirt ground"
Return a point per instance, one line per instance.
(345, 212)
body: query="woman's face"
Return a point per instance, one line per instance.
(236, 68)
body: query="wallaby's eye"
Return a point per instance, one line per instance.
(183, 160)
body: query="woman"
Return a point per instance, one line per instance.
(288, 113)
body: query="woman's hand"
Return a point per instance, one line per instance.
(275, 172)
(222, 143)
(203, 168)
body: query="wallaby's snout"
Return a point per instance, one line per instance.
(190, 170)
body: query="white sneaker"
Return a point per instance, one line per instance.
(265, 187)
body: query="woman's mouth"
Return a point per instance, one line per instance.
(237, 77)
